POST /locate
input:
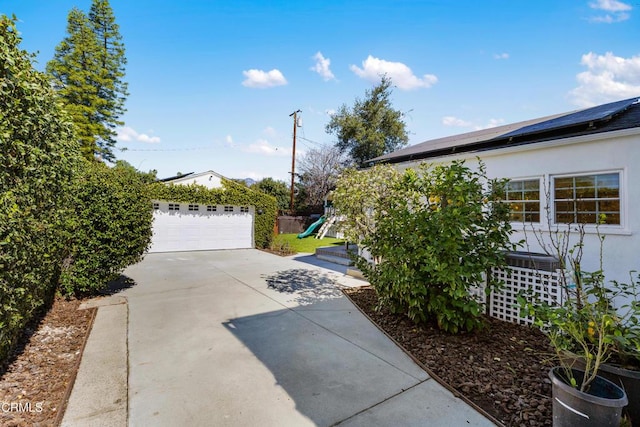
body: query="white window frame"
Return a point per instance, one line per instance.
(541, 199)
(228, 208)
(592, 226)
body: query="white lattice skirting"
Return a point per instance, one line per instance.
(546, 286)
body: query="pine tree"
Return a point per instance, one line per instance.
(112, 61)
(371, 128)
(88, 70)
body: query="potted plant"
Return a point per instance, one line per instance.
(586, 330)
(623, 366)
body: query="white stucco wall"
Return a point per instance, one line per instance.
(207, 179)
(614, 151)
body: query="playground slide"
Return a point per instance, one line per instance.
(311, 228)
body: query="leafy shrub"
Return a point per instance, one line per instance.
(37, 158)
(281, 246)
(111, 228)
(359, 194)
(435, 237)
(230, 194)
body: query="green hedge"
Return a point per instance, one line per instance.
(230, 194)
(38, 154)
(111, 226)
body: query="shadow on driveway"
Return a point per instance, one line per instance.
(309, 286)
(315, 354)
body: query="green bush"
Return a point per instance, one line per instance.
(230, 194)
(111, 226)
(435, 239)
(37, 158)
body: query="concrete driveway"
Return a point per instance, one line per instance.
(246, 338)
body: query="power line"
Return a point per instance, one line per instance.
(311, 141)
(169, 149)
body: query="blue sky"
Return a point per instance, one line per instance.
(212, 83)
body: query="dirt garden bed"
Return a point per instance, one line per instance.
(502, 369)
(34, 386)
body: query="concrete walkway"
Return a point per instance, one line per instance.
(246, 338)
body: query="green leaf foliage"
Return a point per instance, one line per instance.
(277, 189)
(436, 234)
(87, 71)
(111, 226)
(231, 193)
(359, 194)
(371, 127)
(38, 154)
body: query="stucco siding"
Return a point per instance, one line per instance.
(611, 152)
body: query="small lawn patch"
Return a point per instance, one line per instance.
(308, 244)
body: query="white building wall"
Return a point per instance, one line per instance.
(613, 151)
(209, 180)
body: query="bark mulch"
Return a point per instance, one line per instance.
(34, 386)
(502, 369)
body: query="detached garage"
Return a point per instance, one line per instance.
(197, 227)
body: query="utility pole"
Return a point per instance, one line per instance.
(293, 156)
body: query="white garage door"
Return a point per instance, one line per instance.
(194, 227)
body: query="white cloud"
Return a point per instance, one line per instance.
(617, 11)
(269, 131)
(330, 112)
(608, 78)
(610, 5)
(262, 146)
(503, 55)
(322, 67)
(263, 79)
(128, 134)
(491, 124)
(457, 122)
(454, 121)
(228, 140)
(400, 74)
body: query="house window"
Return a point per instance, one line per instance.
(228, 208)
(587, 199)
(156, 206)
(174, 207)
(194, 207)
(212, 208)
(244, 209)
(524, 200)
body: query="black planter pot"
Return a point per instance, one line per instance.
(629, 380)
(601, 406)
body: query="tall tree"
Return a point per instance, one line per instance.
(112, 61)
(88, 69)
(371, 128)
(319, 170)
(277, 189)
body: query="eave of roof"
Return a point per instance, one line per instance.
(173, 178)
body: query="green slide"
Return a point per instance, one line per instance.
(311, 228)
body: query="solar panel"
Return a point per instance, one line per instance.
(594, 114)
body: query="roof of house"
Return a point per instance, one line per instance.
(189, 176)
(617, 115)
(172, 178)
